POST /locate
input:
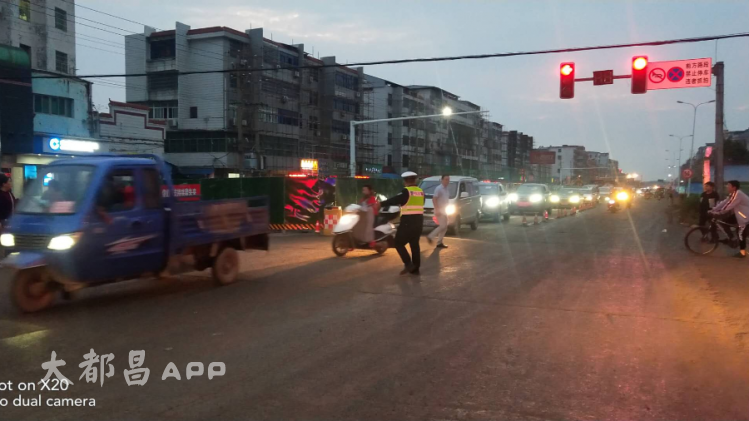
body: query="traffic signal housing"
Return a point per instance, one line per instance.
(639, 74)
(567, 80)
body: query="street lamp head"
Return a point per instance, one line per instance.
(447, 111)
(710, 102)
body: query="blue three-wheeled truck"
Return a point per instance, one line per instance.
(95, 220)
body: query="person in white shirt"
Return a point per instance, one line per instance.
(440, 199)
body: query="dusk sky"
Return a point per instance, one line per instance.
(521, 93)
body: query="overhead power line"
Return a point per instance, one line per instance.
(437, 59)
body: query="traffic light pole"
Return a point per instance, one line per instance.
(718, 150)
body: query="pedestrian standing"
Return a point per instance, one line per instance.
(7, 199)
(440, 200)
(708, 200)
(411, 201)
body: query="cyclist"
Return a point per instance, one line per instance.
(734, 210)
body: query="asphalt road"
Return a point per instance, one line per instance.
(596, 316)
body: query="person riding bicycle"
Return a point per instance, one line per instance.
(734, 210)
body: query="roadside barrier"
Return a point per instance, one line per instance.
(525, 221)
(332, 215)
(535, 219)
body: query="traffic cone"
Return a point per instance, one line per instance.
(559, 213)
(317, 227)
(525, 221)
(546, 216)
(573, 212)
(535, 219)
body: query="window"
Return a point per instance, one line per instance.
(287, 59)
(24, 10)
(163, 49)
(54, 105)
(61, 19)
(193, 112)
(61, 62)
(28, 51)
(232, 80)
(314, 123)
(117, 194)
(347, 81)
(390, 99)
(280, 88)
(405, 160)
(164, 110)
(268, 115)
(162, 81)
(289, 118)
(390, 138)
(343, 105)
(405, 140)
(151, 189)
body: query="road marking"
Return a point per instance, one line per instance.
(25, 340)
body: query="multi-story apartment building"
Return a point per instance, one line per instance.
(571, 164)
(254, 110)
(45, 29)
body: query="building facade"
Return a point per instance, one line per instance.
(571, 166)
(255, 112)
(45, 29)
(127, 129)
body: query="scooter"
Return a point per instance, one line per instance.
(618, 201)
(384, 233)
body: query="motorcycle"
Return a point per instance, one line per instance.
(384, 231)
(618, 201)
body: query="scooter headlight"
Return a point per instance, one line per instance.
(63, 242)
(612, 202)
(346, 219)
(450, 210)
(535, 198)
(7, 240)
(622, 196)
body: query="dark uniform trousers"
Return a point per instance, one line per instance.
(409, 232)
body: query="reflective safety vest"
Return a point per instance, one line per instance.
(415, 204)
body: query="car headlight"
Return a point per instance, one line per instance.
(63, 242)
(622, 196)
(607, 198)
(492, 202)
(513, 197)
(346, 219)
(554, 199)
(7, 240)
(588, 197)
(450, 210)
(574, 199)
(639, 191)
(611, 202)
(535, 198)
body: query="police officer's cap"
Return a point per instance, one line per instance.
(409, 174)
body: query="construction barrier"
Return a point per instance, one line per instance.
(332, 216)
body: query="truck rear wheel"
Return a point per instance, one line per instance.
(31, 290)
(226, 266)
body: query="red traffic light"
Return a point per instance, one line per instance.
(567, 80)
(639, 74)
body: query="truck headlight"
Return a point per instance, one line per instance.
(535, 198)
(575, 199)
(513, 197)
(7, 240)
(63, 242)
(450, 210)
(554, 199)
(492, 202)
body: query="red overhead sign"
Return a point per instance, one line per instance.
(543, 157)
(694, 73)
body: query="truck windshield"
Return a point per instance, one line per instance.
(59, 191)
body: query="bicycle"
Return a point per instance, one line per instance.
(705, 240)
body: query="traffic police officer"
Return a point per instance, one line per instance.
(411, 201)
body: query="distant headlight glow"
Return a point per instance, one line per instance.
(535, 198)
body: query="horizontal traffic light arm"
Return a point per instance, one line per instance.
(590, 79)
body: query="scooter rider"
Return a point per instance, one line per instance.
(411, 201)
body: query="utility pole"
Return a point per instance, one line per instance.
(239, 77)
(718, 151)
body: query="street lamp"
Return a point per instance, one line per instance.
(446, 113)
(691, 149)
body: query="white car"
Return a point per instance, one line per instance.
(464, 206)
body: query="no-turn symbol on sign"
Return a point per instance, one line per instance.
(657, 75)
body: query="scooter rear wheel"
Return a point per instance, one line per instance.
(341, 245)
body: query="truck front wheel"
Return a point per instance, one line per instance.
(226, 266)
(31, 290)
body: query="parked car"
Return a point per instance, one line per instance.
(464, 206)
(494, 201)
(531, 198)
(566, 198)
